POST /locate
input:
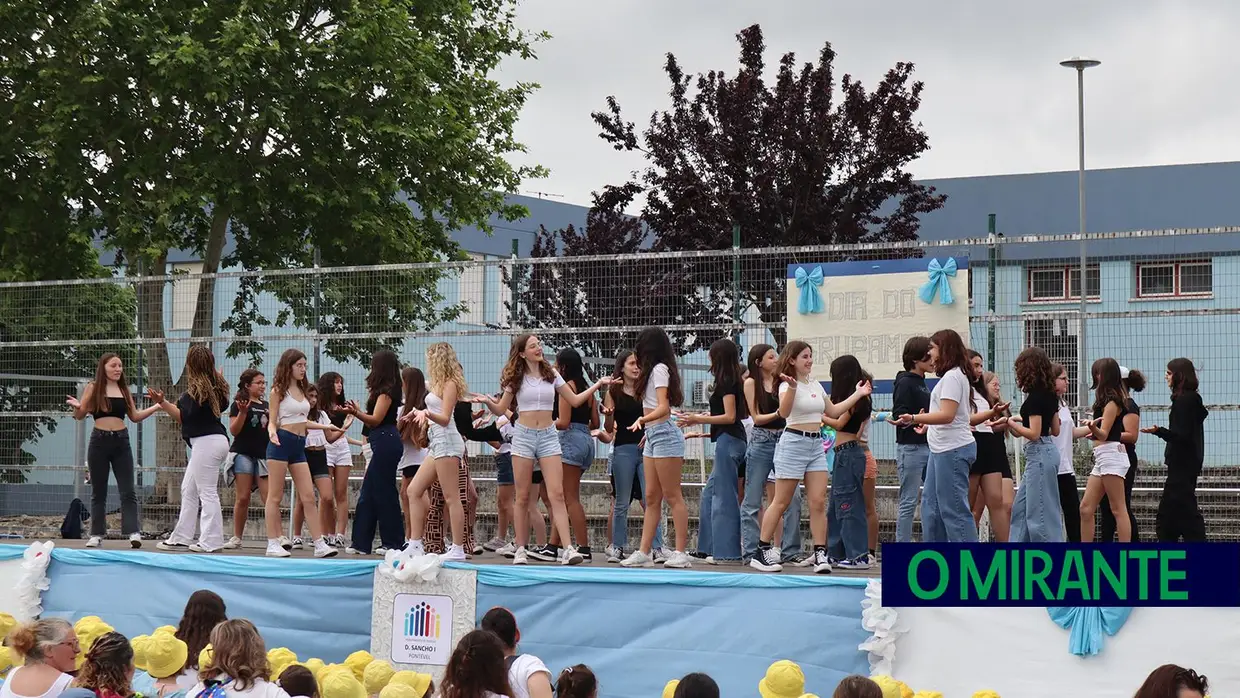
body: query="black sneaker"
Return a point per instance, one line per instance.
(547, 553)
(822, 564)
(585, 553)
(766, 561)
(800, 560)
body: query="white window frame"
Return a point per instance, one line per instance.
(1176, 278)
(1065, 272)
(184, 300)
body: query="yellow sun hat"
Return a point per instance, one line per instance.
(420, 683)
(987, 693)
(377, 675)
(204, 657)
(669, 689)
(6, 659)
(341, 684)
(399, 690)
(314, 664)
(783, 679)
(357, 663)
(165, 655)
(166, 629)
(88, 629)
(928, 694)
(278, 659)
(139, 651)
(889, 686)
(7, 623)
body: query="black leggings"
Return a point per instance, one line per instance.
(109, 451)
(1070, 502)
(1179, 516)
(1104, 508)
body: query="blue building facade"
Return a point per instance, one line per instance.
(1164, 280)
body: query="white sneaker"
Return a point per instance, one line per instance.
(494, 544)
(768, 562)
(637, 559)
(822, 564)
(521, 556)
(570, 556)
(94, 542)
(678, 560)
(613, 553)
(322, 549)
(286, 543)
(508, 551)
(274, 549)
(455, 554)
(660, 555)
(297, 543)
(171, 547)
(135, 540)
(353, 551)
(233, 543)
(710, 560)
(199, 548)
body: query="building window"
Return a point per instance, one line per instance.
(185, 282)
(1173, 279)
(1063, 283)
(1058, 338)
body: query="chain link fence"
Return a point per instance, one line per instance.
(1151, 296)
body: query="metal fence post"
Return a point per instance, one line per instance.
(513, 287)
(318, 292)
(79, 448)
(736, 287)
(141, 386)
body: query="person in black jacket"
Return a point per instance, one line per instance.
(1178, 513)
(911, 396)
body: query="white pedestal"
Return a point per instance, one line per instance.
(415, 625)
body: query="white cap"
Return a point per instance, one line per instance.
(1123, 372)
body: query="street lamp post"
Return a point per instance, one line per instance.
(1079, 64)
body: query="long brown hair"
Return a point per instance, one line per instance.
(1183, 376)
(753, 362)
(414, 382)
(284, 374)
(204, 384)
(654, 347)
(243, 382)
(476, 667)
(204, 610)
(1108, 386)
(107, 666)
(1167, 680)
(99, 401)
(516, 367)
(237, 651)
(789, 355)
(952, 354)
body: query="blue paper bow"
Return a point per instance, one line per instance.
(809, 283)
(1087, 626)
(939, 275)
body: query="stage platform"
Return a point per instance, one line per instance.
(636, 628)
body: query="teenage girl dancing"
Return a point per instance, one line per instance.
(339, 454)
(1035, 513)
(1179, 516)
(286, 451)
(623, 408)
(531, 385)
(1069, 498)
(414, 439)
(1110, 457)
(799, 455)
(663, 457)
(945, 512)
(198, 410)
(378, 503)
(991, 473)
(247, 420)
(576, 426)
(848, 535)
(763, 403)
(446, 451)
(108, 400)
(1134, 382)
(318, 441)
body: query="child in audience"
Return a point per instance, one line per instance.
(577, 681)
(298, 682)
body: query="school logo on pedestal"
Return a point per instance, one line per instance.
(421, 629)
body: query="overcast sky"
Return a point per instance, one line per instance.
(996, 100)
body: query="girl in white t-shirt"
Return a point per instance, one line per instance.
(238, 666)
(945, 514)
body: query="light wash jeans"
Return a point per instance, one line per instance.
(759, 461)
(945, 513)
(848, 537)
(626, 465)
(1036, 514)
(911, 467)
(719, 519)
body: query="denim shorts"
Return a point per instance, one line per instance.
(1110, 459)
(292, 448)
(503, 469)
(798, 453)
(664, 440)
(444, 443)
(535, 443)
(577, 446)
(249, 465)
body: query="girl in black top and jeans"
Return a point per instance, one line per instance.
(109, 402)
(198, 410)
(848, 539)
(247, 420)
(1178, 513)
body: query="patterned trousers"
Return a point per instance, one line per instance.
(437, 517)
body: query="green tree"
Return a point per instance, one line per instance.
(366, 130)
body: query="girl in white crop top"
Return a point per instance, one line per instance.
(531, 387)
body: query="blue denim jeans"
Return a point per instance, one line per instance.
(945, 513)
(1036, 514)
(848, 537)
(378, 503)
(911, 467)
(759, 461)
(719, 520)
(626, 465)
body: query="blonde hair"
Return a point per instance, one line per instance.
(237, 651)
(442, 367)
(33, 640)
(204, 384)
